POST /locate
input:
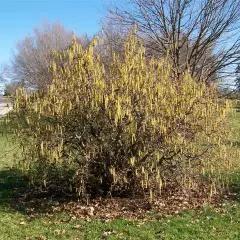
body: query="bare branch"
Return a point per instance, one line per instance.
(30, 62)
(200, 35)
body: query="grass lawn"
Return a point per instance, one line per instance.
(205, 223)
(6, 153)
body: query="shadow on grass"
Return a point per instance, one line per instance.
(12, 184)
(236, 144)
(234, 185)
(11, 180)
(238, 108)
(15, 194)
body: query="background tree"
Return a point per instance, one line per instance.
(4, 70)
(200, 35)
(31, 59)
(237, 80)
(10, 88)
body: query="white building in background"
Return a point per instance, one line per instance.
(5, 105)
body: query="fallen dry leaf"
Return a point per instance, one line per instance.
(91, 211)
(77, 226)
(105, 235)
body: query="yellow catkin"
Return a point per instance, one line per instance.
(130, 109)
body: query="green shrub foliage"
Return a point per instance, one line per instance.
(129, 128)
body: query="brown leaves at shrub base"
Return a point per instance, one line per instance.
(111, 208)
(171, 202)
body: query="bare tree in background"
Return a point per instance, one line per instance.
(31, 60)
(199, 35)
(4, 70)
(237, 79)
(10, 88)
(112, 40)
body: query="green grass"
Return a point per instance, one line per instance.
(8, 152)
(206, 223)
(234, 120)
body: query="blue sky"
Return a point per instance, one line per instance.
(18, 17)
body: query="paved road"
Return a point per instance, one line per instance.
(5, 105)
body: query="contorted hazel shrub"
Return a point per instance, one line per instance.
(130, 128)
